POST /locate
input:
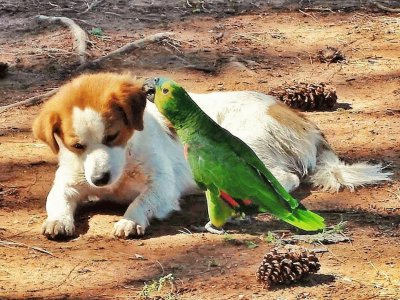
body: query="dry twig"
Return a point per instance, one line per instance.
(128, 47)
(319, 9)
(162, 268)
(18, 244)
(57, 7)
(30, 101)
(80, 36)
(91, 6)
(309, 15)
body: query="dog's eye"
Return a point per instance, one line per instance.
(78, 146)
(110, 138)
(165, 91)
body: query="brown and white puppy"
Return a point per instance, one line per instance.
(89, 123)
(112, 146)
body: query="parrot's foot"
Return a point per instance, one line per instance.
(239, 221)
(210, 228)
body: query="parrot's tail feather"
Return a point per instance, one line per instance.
(331, 173)
(306, 220)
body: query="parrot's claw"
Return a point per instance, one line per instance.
(210, 228)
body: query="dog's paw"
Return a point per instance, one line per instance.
(124, 228)
(55, 228)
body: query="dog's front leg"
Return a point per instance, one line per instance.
(60, 206)
(158, 200)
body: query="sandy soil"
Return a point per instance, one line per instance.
(225, 47)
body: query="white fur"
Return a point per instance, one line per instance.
(97, 158)
(88, 125)
(331, 173)
(150, 173)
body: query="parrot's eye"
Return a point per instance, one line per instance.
(165, 91)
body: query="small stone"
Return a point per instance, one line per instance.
(3, 70)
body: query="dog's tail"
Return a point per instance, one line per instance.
(331, 173)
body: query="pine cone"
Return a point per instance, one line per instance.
(307, 97)
(330, 55)
(286, 267)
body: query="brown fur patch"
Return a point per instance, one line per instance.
(114, 123)
(119, 98)
(134, 179)
(290, 118)
(171, 129)
(45, 126)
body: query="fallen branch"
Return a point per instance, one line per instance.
(91, 6)
(309, 15)
(386, 8)
(128, 47)
(30, 101)
(18, 244)
(59, 8)
(42, 250)
(319, 9)
(80, 36)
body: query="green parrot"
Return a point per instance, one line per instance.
(235, 180)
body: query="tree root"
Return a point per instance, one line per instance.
(80, 36)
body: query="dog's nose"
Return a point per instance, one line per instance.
(101, 179)
(149, 88)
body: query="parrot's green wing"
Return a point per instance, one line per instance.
(238, 182)
(300, 216)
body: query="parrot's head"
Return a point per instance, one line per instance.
(169, 97)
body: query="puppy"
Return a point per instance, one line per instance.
(112, 146)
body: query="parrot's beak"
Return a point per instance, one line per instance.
(149, 88)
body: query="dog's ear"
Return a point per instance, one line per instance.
(131, 102)
(45, 126)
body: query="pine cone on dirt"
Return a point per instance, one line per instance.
(306, 97)
(286, 267)
(330, 55)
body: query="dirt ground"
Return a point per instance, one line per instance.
(231, 46)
